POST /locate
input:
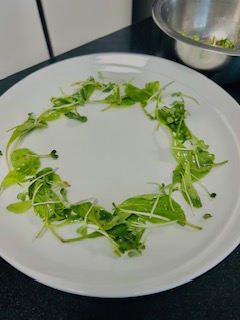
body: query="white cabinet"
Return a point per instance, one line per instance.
(22, 42)
(72, 23)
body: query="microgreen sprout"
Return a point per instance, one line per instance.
(211, 194)
(83, 229)
(180, 94)
(53, 154)
(207, 216)
(147, 214)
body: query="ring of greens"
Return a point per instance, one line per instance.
(43, 190)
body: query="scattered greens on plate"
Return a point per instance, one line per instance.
(44, 191)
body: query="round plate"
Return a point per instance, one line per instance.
(114, 156)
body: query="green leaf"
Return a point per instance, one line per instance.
(25, 164)
(136, 94)
(48, 205)
(75, 115)
(50, 115)
(20, 207)
(163, 208)
(78, 211)
(90, 85)
(13, 177)
(151, 87)
(174, 119)
(189, 192)
(45, 192)
(114, 97)
(21, 196)
(118, 218)
(74, 99)
(21, 130)
(25, 161)
(82, 230)
(127, 239)
(201, 161)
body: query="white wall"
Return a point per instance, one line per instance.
(22, 42)
(72, 23)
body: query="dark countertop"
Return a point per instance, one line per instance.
(214, 295)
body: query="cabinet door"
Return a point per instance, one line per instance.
(21, 35)
(72, 23)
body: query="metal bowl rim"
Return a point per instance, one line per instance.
(157, 17)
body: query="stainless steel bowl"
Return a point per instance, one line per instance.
(182, 19)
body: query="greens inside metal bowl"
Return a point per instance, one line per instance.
(226, 43)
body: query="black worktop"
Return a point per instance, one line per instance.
(214, 295)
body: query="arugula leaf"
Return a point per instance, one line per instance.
(21, 130)
(142, 95)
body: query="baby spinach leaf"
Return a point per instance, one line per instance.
(20, 207)
(25, 161)
(142, 206)
(136, 94)
(25, 164)
(12, 177)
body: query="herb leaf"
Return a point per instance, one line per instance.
(20, 207)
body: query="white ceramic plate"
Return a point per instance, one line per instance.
(112, 157)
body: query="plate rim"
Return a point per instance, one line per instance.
(92, 55)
